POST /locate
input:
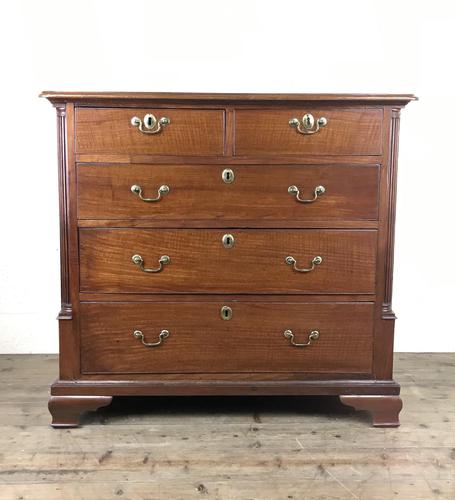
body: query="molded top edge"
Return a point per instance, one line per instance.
(214, 97)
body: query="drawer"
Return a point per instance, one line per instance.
(200, 341)
(347, 132)
(190, 131)
(256, 192)
(200, 262)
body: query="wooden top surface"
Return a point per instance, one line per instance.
(215, 97)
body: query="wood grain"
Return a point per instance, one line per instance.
(310, 159)
(66, 410)
(191, 132)
(351, 226)
(198, 192)
(348, 131)
(201, 341)
(227, 447)
(192, 97)
(384, 409)
(200, 263)
(66, 309)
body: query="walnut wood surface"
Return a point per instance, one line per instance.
(67, 410)
(224, 97)
(190, 132)
(201, 341)
(348, 132)
(385, 410)
(228, 159)
(198, 192)
(352, 226)
(200, 263)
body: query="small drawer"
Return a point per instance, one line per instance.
(171, 131)
(240, 192)
(227, 261)
(342, 132)
(193, 337)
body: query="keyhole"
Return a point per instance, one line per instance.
(228, 240)
(226, 313)
(227, 176)
(149, 120)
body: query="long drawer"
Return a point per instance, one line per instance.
(188, 132)
(227, 261)
(193, 337)
(208, 192)
(346, 132)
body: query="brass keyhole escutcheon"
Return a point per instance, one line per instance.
(149, 121)
(226, 313)
(228, 240)
(228, 176)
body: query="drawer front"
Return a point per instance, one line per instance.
(347, 132)
(256, 192)
(200, 262)
(199, 340)
(190, 132)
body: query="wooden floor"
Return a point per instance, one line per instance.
(228, 448)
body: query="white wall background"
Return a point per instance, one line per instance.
(227, 46)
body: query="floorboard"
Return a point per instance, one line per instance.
(228, 448)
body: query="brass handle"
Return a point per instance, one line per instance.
(164, 334)
(292, 262)
(150, 125)
(162, 190)
(139, 261)
(308, 125)
(318, 191)
(313, 335)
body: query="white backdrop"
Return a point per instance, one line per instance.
(227, 46)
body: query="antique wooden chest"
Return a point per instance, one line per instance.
(226, 244)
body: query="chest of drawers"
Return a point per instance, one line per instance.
(226, 244)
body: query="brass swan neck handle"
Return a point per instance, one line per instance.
(164, 334)
(150, 125)
(291, 261)
(295, 191)
(313, 335)
(139, 261)
(162, 190)
(308, 125)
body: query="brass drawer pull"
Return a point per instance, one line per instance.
(313, 335)
(292, 262)
(308, 125)
(150, 125)
(162, 190)
(139, 261)
(294, 190)
(164, 334)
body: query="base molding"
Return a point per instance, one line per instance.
(70, 399)
(67, 410)
(223, 387)
(384, 409)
